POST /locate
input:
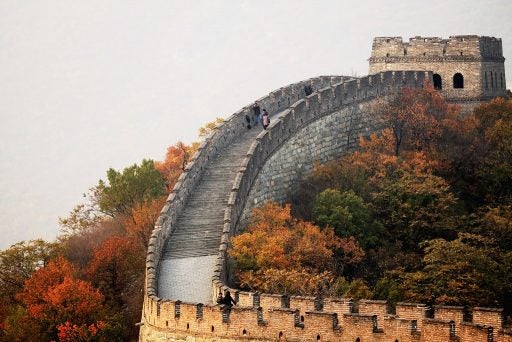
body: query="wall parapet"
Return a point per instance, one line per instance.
(273, 321)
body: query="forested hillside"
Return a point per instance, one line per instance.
(420, 212)
(88, 285)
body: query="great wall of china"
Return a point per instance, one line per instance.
(264, 165)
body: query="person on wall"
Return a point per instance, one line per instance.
(257, 113)
(228, 300)
(265, 120)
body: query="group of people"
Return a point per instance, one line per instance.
(264, 118)
(258, 116)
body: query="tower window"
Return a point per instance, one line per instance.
(496, 79)
(486, 84)
(501, 80)
(405, 52)
(387, 54)
(461, 53)
(438, 82)
(458, 81)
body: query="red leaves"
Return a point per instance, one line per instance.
(53, 295)
(69, 332)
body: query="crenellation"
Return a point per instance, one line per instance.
(439, 330)
(478, 60)
(374, 307)
(449, 313)
(297, 323)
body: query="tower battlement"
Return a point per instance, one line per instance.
(465, 67)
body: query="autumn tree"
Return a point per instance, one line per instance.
(176, 158)
(459, 272)
(17, 264)
(209, 127)
(141, 221)
(53, 296)
(279, 253)
(417, 118)
(78, 248)
(494, 172)
(117, 265)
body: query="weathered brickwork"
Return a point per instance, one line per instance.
(321, 141)
(177, 321)
(319, 127)
(479, 61)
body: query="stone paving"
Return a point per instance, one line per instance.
(187, 278)
(187, 264)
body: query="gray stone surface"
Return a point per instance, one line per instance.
(187, 279)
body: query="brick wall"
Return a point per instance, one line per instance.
(479, 59)
(178, 321)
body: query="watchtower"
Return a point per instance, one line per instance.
(466, 68)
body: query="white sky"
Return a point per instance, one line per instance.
(88, 85)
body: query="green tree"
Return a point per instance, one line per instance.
(347, 213)
(356, 289)
(18, 262)
(135, 184)
(389, 289)
(415, 207)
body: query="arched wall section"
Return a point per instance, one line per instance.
(271, 155)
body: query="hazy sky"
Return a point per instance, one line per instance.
(89, 85)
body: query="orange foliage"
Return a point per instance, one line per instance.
(116, 264)
(53, 295)
(176, 159)
(69, 332)
(418, 118)
(141, 221)
(378, 161)
(281, 253)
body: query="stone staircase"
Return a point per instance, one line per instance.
(196, 239)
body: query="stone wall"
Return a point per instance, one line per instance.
(479, 59)
(275, 317)
(268, 317)
(325, 139)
